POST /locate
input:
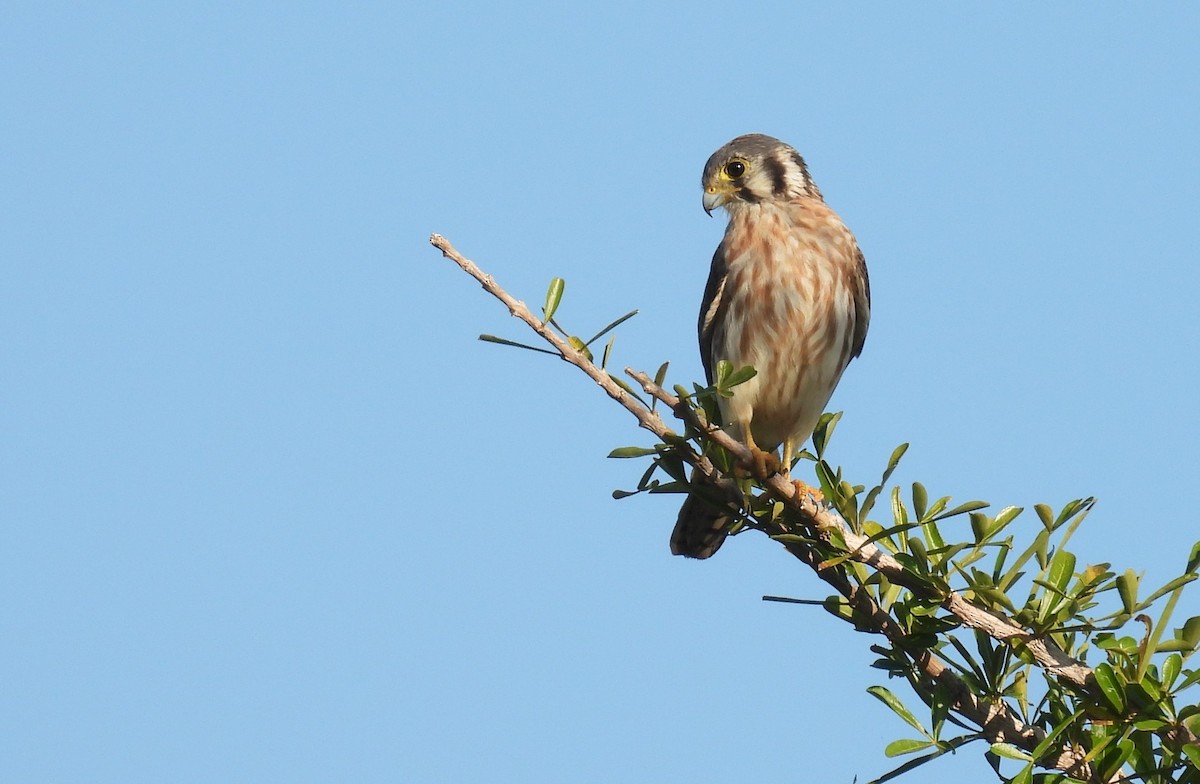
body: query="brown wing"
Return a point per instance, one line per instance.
(861, 284)
(712, 310)
(702, 526)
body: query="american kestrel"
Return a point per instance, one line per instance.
(788, 294)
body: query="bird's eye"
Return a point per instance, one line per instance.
(735, 169)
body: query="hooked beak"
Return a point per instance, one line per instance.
(714, 197)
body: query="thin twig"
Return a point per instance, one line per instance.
(649, 419)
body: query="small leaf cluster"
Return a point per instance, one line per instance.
(554, 295)
(701, 405)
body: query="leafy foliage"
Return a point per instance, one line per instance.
(1132, 717)
(1111, 701)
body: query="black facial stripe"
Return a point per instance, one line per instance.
(746, 195)
(775, 170)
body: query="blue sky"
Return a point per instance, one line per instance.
(270, 511)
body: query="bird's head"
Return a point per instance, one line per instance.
(754, 168)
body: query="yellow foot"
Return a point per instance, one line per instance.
(765, 463)
(803, 489)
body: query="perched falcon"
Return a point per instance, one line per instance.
(788, 294)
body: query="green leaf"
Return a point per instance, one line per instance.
(644, 482)
(951, 550)
(827, 477)
(613, 325)
(932, 535)
(1166, 589)
(740, 376)
(981, 526)
(869, 502)
(1127, 585)
(824, 431)
(1008, 514)
(1038, 546)
(1144, 692)
(1054, 778)
(1155, 631)
(1061, 726)
(1193, 558)
(899, 514)
(1062, 569)
(1074, 512)
(892, 701)
(940, 705)
(905, 746)
(834, 605)
(726, 377)
(515, 344)
(1024, 776)
(1193, 753)
(937, 507)
(1046, 515)
(917, 548)
(1078, 507)
(920, 500)
(632, 451)
(878, 533)
(1113, 759)
(894, 461)
(1110, 686)
(661, 375)
(1042, 556)
(1009, 751)
(1191, 631)
(604, 361)
(995, 596)
(1171, 669)
(1167, 646)
(985, 528)
(1094, 573)
(1019, 690)
(578, 344)
(553, 297)
(628, 389)
(672, 465)
(943, 747)
(969, 506)
(970, 660)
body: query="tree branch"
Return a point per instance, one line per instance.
(996, 719)
(647, 418)
(824, 522)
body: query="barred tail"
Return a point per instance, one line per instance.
(700, 529)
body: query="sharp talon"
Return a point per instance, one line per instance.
(803, 489)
